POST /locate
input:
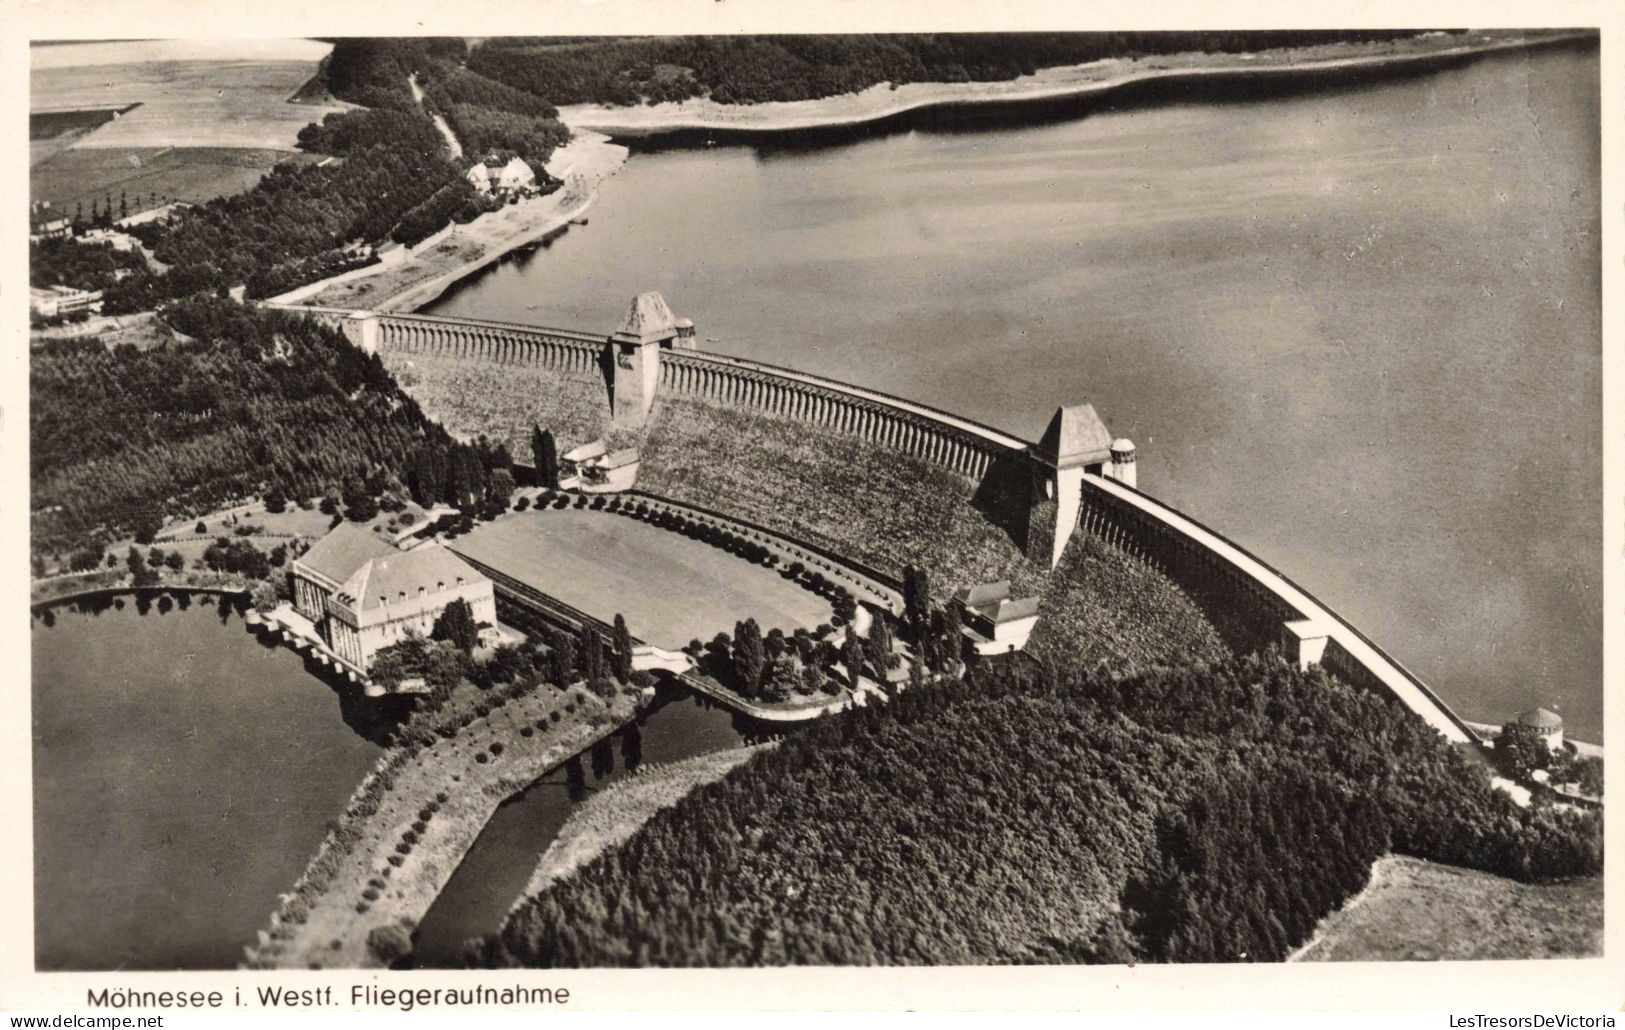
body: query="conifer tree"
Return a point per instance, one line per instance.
(622, 649)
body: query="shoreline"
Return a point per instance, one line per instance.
(607, 820)
(583, 164)
(594, 153)
(882, 103)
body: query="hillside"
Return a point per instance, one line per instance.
(754, 69)
(254, 399)
(1415, 910)
(1205, 814)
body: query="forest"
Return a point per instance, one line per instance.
(754, 69)
(1208, 813)
(256, 401)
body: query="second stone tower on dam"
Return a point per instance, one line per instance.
(1033, 490)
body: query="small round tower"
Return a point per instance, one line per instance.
(1123, 461)
(685, 335)
(1547, 723)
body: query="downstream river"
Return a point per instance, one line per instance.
(1357, 330)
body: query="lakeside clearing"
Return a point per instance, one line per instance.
(584, 163)
(1417, 910)
(883, 101)
(607, 819)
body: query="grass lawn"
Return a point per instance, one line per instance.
(670, 588)
(1421, 910)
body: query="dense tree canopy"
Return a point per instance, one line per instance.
(751, 69)
(256, 400)
(1213, 813)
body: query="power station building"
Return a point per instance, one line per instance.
(363, 594)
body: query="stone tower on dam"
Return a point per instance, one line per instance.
(634, 356)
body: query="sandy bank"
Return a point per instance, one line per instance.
(607, 819)
(884, 101)
(583, 164)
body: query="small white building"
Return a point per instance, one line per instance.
(479, 177)
(993, 621)
(516, 175)
(49, 301)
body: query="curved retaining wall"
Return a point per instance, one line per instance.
(1248, 600)
(945, 439)
(961, 445)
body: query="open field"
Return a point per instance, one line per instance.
(195, 175)
(193, 93)
(670, 588)
(213, 116)
(1417, 910)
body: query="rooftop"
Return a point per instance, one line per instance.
(1541, 719)
(1076, 436)
(341, 552)
(648, 319)
(401, 575)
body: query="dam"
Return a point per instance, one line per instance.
(1075, 479)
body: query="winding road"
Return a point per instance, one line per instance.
(452, 145)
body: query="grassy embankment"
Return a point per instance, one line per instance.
(605, 820)
(1418, 910)
(833, 489)
(411, 821)
(503, 401)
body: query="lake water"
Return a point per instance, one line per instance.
(184, 774)
(1356, 330)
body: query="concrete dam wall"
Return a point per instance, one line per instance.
(1251, 604)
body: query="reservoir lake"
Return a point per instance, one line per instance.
(1357, 330)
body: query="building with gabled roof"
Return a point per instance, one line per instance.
(364, 595)
(515, 175)
(992, 620)
(479, 177)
